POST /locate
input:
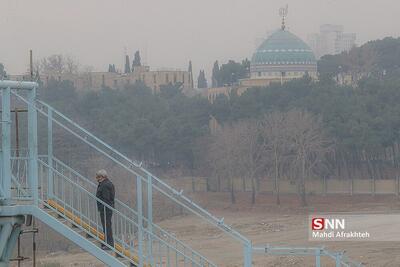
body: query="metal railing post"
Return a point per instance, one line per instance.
(6, 144)
(140, 218)
(318, 257)
(338, 259)
(247, 251)
(50, 189)
(33, 145)
(150, 219)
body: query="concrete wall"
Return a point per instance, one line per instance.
(317, 187)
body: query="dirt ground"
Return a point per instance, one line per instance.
(265, 223)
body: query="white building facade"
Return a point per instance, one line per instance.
(331, 40)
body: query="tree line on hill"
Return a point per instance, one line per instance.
(378, 58)
(362, 125)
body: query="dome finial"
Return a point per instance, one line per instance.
(283, 12)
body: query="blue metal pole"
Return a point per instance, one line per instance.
(11, 242)
(150, 218)
(5, 233)
(50, 189)
(2, 195)
(6, 144)
(247, 251)
(33, 145)
(318, 257)
(338, 259)
(139, 204)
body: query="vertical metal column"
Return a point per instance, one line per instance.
(50, 189)
(5, 233)
(139, 204)
(33, 146)
(247, 251)
(150, 219)
(6, 144)
(318, 257)
(11, 242)
(338, 260)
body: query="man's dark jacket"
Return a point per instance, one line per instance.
(106, 193)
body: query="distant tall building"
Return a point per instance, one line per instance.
(331, 40)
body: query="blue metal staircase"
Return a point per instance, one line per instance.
(63, 199)
(45, 187)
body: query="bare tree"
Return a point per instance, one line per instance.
(250, 151)
(223, 156)
(71, 65)
(58, 64)
(276, 145)
(308, 144)
(53, 64)
(237, 150)
(293, 141)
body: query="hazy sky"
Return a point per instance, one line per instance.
(170, 32)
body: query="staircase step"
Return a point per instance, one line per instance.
(78, 230)
(63, 220)
(74, 227)
(74, 219)
(88, 236)
(127, 262)
(96, 242)
(51, 212)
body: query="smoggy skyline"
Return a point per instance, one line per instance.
(170, 33)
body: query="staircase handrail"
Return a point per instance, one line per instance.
(115, 211)
(156, 226)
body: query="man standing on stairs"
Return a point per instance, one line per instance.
(106, 193)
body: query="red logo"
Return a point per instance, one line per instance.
(318, 224)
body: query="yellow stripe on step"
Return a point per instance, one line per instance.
(93, 230)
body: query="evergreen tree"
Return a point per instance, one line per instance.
(190, 70)
(127, 64)
(246, 66)
(37, 75)
(111, 68)
(136, 60)
(201, 80)
(215, 75)
(3, 73)
(232, 71)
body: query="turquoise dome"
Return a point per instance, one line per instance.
(283, 48)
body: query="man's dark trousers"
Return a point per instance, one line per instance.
(105, 217)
